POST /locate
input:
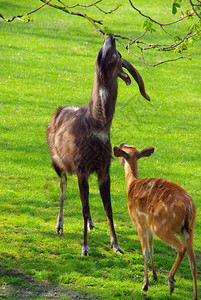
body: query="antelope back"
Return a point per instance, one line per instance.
(158, 202)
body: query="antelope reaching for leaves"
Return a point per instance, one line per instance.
(79, 138)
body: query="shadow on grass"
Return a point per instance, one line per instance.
(53, 262)
(19, 285)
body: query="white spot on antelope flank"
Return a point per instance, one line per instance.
(161, 195)
(170, 195)
(139, 190)
(151, 184)
(140, 213)
(171, 206)
(187, 195)
(155, 229)
(146, 186)
(103, 95)
(165, 207)
(174, 216)
(164, 221)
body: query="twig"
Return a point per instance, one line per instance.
(107, 12)
(21, 16)
(90, 5)
(193, 7)
(64, 9)
(156, 22)
(80, 5)
(159, 47)
(165, 61)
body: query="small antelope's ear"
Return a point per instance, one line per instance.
(120, 153)
(146, 152)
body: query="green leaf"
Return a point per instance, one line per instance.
(148, 26)
(195, 28)
(189, 56)
(107, 30)
(27, 18)
(175, 5)
(174, 8)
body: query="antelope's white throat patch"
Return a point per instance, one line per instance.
(103, 136)
(107, 44)
(103, 93)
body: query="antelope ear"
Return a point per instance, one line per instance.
(120, 153)
(146, 152)
(136, 75)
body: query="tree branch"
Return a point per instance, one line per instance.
(156, 22)
(90, 5)
(178, 47)
(64, 9)
(18, 17)
(193, 7)
(142, 59)
(138, 42)
(80, 5)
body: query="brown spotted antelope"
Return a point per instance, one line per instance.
(159, 207)
(79, 138)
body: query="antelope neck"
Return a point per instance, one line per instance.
(131, 173)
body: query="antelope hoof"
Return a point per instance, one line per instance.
(59, 228)
(85, 251)
(90, 225)
(145, 287)
(171, 285)
(117, 249)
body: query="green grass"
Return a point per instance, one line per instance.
(48, 63)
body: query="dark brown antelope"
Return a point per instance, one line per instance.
(159, 207)
(79, 138)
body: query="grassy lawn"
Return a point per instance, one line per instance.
(49, 63)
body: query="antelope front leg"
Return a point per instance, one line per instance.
(144, 244)
(84, 196)
(63, 186)
(104, 187)
(151, 252)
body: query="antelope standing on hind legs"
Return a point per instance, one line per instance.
(161, 207)
(79, 138)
